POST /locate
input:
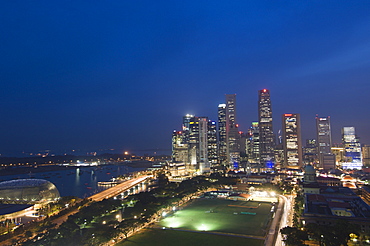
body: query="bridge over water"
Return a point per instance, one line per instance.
(125, 188)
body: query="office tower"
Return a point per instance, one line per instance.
(222, 142)
(338, 152)
(193, 143)
(310, 152)
(352, 149)
(198, 144)
(265, 128)
(179, 148)
(292, 141)
(186, 127)
(212, 143)
(232, 132)
(203, 163)
(366, 155)
(326, 158)
(253, 144)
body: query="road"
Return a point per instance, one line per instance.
(281, 220)
(285, 219)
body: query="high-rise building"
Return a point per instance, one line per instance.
(179, 148)
(265, 128)
(338, 152)
(352, 149)
(232, 132)
(310, 152)
(326, 158)
(222, 137)
(253, 144)
(212, 143)
(366, 155)
(292, 141)
(186, 127)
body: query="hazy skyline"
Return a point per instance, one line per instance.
(121, 74)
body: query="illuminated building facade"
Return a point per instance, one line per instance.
(222, 142)
(339, 154)
(232, 132)
(186, 127)
(352, 149)
(323, 129)
(366, 155)
(179, 148)
(253, 143)
(266, 135)
(310, 152)
(292, 141)
(212, 143)
(196, 145)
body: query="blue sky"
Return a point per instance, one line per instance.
(95, 75)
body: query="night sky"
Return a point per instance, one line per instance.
(92, 75)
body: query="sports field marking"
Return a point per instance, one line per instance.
(238, 206)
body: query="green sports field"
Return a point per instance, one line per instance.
(158, 237)
(223, 222)
(222, 216)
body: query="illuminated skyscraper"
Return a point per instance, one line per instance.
(253, 144)
(310, 152)
(292, 141)
(222, 142)
(352, 149)
(326, 158)
(186, 127)
(179, 148)
(232, 132)
(265, 128)
(212, 143)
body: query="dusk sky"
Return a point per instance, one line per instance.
(93, 75)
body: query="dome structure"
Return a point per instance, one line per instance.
(29, 191)
(309, 169)
(309, 174)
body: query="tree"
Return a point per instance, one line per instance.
(294, 236)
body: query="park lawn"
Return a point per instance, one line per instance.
(217, 215)
(158, 237)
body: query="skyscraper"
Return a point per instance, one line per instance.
(292, 140)
(326, 158)
(310, 152)
(186, 127)
(232, 132)
(222, 142)
(323, 134)
(265, 128)
(352, 149)
(212, 143)
(253, 144)
(179, 148)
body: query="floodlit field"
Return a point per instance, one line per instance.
(248, 218)
(158, 237)
(209, 222)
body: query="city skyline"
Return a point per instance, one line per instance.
(120, 75)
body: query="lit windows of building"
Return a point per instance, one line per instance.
(292, 141)
(352, 149)
(266, 135)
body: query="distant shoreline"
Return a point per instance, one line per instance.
(26, 170)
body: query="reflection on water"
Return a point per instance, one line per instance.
(82, 181)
